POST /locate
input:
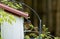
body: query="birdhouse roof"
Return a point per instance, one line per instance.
(14, 11)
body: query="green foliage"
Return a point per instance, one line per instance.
(5, 16)
(13, 4)
(27, 37)
(45, 33)
(4, 0)
(56, 37)
(33, 35)
(31, 27)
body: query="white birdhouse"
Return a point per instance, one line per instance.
(16, 30)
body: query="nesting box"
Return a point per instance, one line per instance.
(16, 30)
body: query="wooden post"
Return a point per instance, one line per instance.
(44, 12)
(35, 18)
(50, 20)
(58, 19)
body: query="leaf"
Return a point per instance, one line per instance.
(12, 18)
(9, 21)
(1, 20)
(11, 5)
(42, 35)
(4, 16)
(31, 26)
(27, 37)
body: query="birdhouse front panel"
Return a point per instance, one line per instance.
(14, 30)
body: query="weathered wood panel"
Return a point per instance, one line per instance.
(58, 18)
